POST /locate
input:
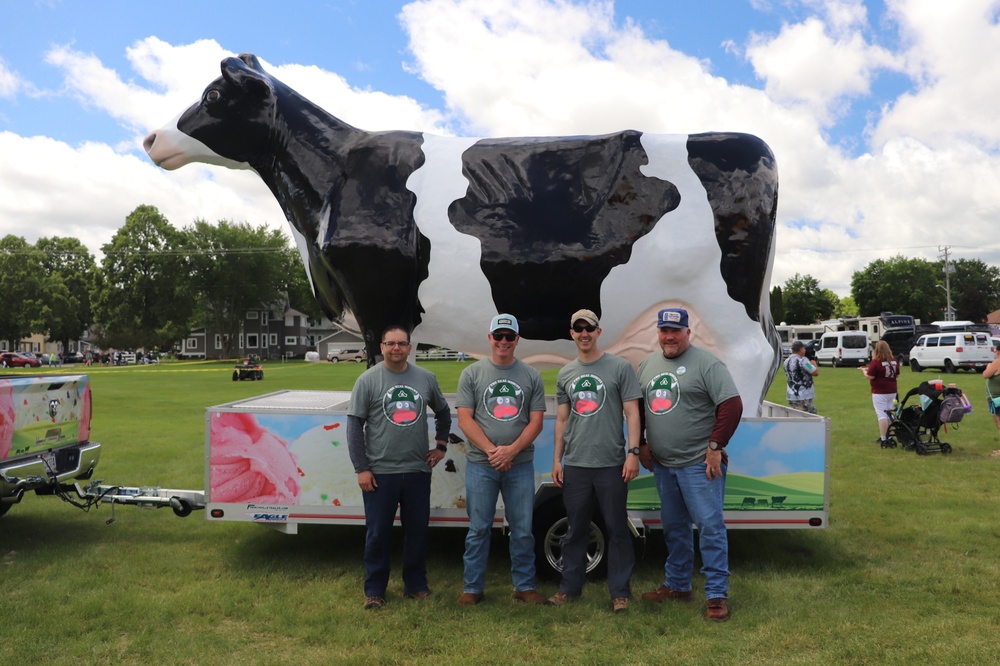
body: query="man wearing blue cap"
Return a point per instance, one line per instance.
(692, 408)
(500, 404)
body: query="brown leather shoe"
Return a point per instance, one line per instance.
(717, 610)
(531, 597)
(470, 598)
(560, 598)
(374, 603)
(662, 593)
(420, 596)
(619, 604)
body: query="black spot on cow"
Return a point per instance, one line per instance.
(554, 216)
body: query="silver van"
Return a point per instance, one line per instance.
(838, 348)
(951, 351)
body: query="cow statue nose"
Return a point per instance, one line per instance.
(147, 143)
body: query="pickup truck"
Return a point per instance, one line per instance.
(45, 447)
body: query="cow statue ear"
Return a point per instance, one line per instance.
(239, 74)
(251, 61)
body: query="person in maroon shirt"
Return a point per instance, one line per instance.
(882, 373)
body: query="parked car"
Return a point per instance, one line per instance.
(356, 355)
(18, 360)
(951, 351)
(73, 357)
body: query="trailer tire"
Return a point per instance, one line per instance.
(550, 526)
(183, 508)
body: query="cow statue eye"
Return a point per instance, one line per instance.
(213, 96)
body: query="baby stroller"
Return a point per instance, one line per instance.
(915, 427)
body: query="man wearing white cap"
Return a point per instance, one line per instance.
(692, 408)
(595, 392)
(500, 403)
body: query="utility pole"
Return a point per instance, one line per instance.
(949, 314)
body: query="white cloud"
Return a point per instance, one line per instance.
(10, 82)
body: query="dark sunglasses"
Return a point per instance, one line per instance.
(509, 337)
(580, 328)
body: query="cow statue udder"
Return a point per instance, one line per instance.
(441, 233)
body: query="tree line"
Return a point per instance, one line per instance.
(154, 284)
(901, 285)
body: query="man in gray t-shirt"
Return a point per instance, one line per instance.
(387, 442)
(595, 391)
(500, 405)
(691, 409)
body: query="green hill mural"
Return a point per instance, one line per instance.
(801, 490)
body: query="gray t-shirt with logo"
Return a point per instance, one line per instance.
(394, 408)
(681, 395)
(502, 398)
(596, 392)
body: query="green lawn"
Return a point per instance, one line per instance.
(906, 573)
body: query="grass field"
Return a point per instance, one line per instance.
(907, 571)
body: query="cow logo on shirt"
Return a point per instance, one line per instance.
(587, 395)
(403, 405)
(662, 393)
(503, 400)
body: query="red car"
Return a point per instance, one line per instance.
(18, 360)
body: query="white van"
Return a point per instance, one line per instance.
(843, 348)
(951, 351)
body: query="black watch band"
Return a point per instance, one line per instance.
(634, 450)
(443, 448)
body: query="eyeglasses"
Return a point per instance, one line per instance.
(581, 328)
(509, 337)
(393, 343)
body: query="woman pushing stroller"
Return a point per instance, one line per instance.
(882, 372)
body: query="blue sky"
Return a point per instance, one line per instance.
(880, 113)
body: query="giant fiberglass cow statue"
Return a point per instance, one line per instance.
(441, 233)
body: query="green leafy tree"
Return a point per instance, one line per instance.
(900, 285)
(975, 289)
(846, 307)
(236, 268)
(142, 296)
(70, 270)
(805, 302)
(21, 285)
(777, 305)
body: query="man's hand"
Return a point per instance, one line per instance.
(502, 458)
(646, 456)
(434, 456)
(713, 464)
(557, 473)
(630, 469)
(367, 481)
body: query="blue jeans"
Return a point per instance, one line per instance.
(483, 485)
(411, 492)
(687, 496)
(581, 487)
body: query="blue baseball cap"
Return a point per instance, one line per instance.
(672, 318)
(507, 321)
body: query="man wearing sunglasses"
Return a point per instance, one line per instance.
(387, 442)
(500, 405)
(692, 408)
(594, 392)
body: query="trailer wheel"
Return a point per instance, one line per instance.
(182, 508)
(550, 527)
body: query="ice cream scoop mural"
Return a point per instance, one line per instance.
(441, 233)
(248, 463)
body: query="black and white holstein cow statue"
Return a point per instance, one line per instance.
(441, 233)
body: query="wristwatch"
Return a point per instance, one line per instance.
(634, 451)
(715, 446)
(443, 448)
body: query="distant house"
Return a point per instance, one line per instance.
(338, 337)
(269, 333)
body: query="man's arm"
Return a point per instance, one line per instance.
(727, 419)
(473, 431)
(356, 450)
(562, 418)
(630, 469)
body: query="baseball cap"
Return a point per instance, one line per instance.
(504, 321)
(672, 318)
(586, 315)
